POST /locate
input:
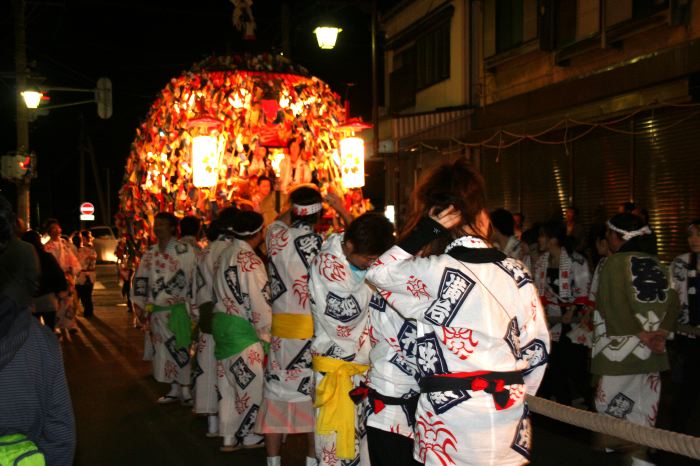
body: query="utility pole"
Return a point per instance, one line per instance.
(22, 112)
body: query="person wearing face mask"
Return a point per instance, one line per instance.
(685, 279)
(340, 300)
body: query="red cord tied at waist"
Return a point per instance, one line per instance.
(493, 383)
(378, 401)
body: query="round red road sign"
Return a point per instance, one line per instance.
(86, 208)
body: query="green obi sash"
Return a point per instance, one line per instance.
(179, 323)
(232, 334)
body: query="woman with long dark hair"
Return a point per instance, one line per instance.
(482, 341)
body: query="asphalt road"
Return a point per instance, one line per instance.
(119, 423)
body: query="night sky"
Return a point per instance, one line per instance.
(140, 45)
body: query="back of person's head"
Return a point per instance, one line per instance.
(76, 240)
(7, 222)
(248, 223)
(503, 221)
(190, 226)
(634, 231)
(557, 230)
(306, 205)
(370, 234)
(34, 238)
(170, 218)
(49, 223)
(226, 220)
(455, 184)
(530, 235)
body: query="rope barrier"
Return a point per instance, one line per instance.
(653, 437)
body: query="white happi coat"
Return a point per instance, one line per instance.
(340, 308)
(164, 279)
(574, 282)
(87, 257)
(241, 289)
(206, 400)
(470, 317)
(288, 376)
(680, 272)
(64, 252)
(393, 370)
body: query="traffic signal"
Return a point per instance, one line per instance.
(18, 166)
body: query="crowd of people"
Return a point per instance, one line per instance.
(416, 347)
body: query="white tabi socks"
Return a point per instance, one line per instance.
(274, 461)
(311, 461)
(213, 425)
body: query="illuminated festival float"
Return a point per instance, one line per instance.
(200, 146)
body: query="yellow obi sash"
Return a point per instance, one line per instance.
(336, 408)
(292, 326)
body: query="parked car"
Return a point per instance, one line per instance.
(105, 243)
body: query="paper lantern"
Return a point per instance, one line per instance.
(205, 161)
(326, 36)
(352, 162)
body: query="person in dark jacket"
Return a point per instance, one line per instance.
(51, 282)
(34, 399)
(19, 267)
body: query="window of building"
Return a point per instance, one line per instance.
(509, 24)
(402, 79)
(433, 56)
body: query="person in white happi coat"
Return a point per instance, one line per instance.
(291, 247)
(63, 252)
(636, 309)
(685, 279)
(393, 382)
(503, 234)
(161, 294)
(563, 279)
(206, 398)
(340, 307)
(241, 328)
(482, 340)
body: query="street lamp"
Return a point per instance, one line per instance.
(31, 98)
(326, 36)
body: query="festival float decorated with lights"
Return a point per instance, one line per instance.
(193, 151)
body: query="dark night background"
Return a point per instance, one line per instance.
(140, 45)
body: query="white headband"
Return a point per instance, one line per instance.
(246, 233)
(304, 210)
(628, 235)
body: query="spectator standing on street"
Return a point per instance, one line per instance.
(19, 265)
(161, 294)
(63, 252)
(52, 281)
(191, 231)
(636, 308)
(503, 234)
(685, 277)
(34, 399)
(85, 283)
(562, 279)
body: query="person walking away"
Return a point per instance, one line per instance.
(291, 247)
(482, 341)
(636, 308)
(241, 326)
(85, 283)
(161, 294)
(19, 264)
(340, 300)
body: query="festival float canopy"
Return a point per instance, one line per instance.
(228, 106)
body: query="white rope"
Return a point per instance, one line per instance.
(653, 437)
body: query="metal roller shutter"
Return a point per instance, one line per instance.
(666, 173)
(546, 181)
(502, 176)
